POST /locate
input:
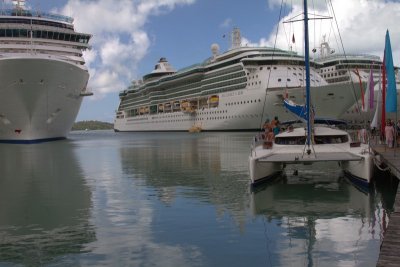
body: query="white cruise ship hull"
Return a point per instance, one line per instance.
(241, 110)
(39, 98)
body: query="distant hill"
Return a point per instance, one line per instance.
(92, 125)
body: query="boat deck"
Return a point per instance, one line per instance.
(298, 158)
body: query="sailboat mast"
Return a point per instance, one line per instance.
(307, 63)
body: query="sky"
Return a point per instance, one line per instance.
(129, 36)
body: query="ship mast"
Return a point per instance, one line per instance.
(19, 4)
(307, 61)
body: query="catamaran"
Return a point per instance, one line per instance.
(310, 144)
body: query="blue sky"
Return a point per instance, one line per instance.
(129, 36)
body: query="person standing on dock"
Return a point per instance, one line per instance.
(398, 133)
(389, 134)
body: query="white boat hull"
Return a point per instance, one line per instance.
(245, 109)
(263, 171)
(40, 98)
(360, 171)
(355, 161)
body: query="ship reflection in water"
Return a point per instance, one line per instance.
(44, 204)
(178, 199)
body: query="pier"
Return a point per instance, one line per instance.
(389, 254)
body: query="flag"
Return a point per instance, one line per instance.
(383, 113)
(371, 89)
(293, 39)
(391, 91)
(374, 123)
(362, 91)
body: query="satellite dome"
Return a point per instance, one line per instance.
(215, 49)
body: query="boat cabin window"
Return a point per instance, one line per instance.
(290, 140)
(331, 139)
(301, 140)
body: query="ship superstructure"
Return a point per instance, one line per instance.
(338, 68)
(42, 73)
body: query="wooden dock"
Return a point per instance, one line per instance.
(390, 249)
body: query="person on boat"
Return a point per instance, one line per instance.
(275, 126)
(389, 134)
(268, 133)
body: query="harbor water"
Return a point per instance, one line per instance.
(101, 198)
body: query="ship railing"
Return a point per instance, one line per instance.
(29, 13)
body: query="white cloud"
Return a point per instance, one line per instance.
(362, 25)
(227, 23)
(119, 41)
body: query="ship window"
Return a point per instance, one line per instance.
(288, 79)
(261, 68)
(279, 79)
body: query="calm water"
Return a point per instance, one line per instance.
(178, 199)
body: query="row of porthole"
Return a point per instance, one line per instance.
(203, 119)
(242, 102)
(333, 74)
(255, 83)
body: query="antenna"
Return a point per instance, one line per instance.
(236, 38)
(19, 4)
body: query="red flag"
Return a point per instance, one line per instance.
(362, 91)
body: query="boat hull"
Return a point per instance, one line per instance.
(39, 98)
(263, 171)
(334, 145)
(360, 171)
(240, 110)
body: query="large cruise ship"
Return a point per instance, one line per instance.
(235, 90)
(42, 74)
(339, 68)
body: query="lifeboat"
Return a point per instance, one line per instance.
(185, 104)
(177, 105)
(167, 107)
(141, 110)
(214, 99)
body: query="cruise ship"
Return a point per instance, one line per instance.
(232, 91)
(338, 68)
(42, 72)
